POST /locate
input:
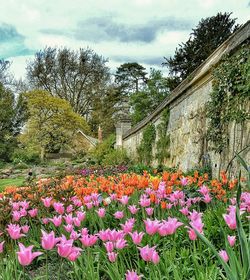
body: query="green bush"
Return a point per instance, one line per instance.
(101, 150)
(25, 156)
(116, 157)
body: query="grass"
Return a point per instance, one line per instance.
(11, 182)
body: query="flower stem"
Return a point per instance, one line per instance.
(60, 267)
(47, 275)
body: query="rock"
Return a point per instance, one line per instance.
(6, 171)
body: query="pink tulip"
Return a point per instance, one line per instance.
(114, 235)
(47, 201)
(74, 235)
(184, 211)
(223, 254)
(231, 240)
(77, 202)
(16, 216)
(198, 225)
(89, 205)
(144, 202)
(23, 212)
(169, 227)
(101, 212)
(207, 198)
(233, 201)
(124, 200)
(25, 204)
(1, 246)
(155, 257)
(96, 203)
(112, 256)
(77, 222)
(15, 206)
(48, 240)
(133, 209)
(68, 228)
(230, 219)
(109, 246)
(149, 211)
(151, 226)
(59, 208)
(33, 212)
(132, 275)
(69, 208)
(64, 248)
(149, 254)
(25, 255)
(25, 229)
(80, 215)
(68, 219)
(118, 214)
(128, 226)
(104, 235)
(56, 220)
(45, 221)
(14, 231)
(169, 205)
(195, 215)
(184, 181)
(113, 196)
(84, 231)
(192, 235)
(88, 240)
(203, 190)
(137, 237)
(120, 243)
(74, 254)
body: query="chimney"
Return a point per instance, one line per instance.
(99, 134)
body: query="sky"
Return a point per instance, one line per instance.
(143, 31)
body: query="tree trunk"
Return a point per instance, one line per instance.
(42, 154)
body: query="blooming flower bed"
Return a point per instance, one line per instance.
(125, 226)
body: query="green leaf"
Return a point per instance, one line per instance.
(227, 269)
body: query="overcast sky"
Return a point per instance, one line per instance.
(121, 30)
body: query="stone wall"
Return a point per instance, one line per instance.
(187, 124)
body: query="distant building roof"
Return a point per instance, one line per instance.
(92, 140)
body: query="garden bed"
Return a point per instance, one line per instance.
(123, 226)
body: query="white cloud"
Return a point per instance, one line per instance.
(30, 17)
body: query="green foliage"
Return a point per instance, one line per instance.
(104, 112)
(230, 96)
(11, 120)
(163, 142)
(130, 77)
(150, 96)
(238, 267)
(26, 155)
(205, 38)
(116, 157)
(145, 149)
(103, 149)
(52, 122)
(76, 76)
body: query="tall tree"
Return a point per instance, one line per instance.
(76, 76)
(146, 100)
(130, 77)
(11, 120)
(205, 38)
(52, 121)
(104, 111)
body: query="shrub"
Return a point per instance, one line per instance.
(102, 149)
(25, 155)
(116, 157)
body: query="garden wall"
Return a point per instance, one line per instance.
(187, 126)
